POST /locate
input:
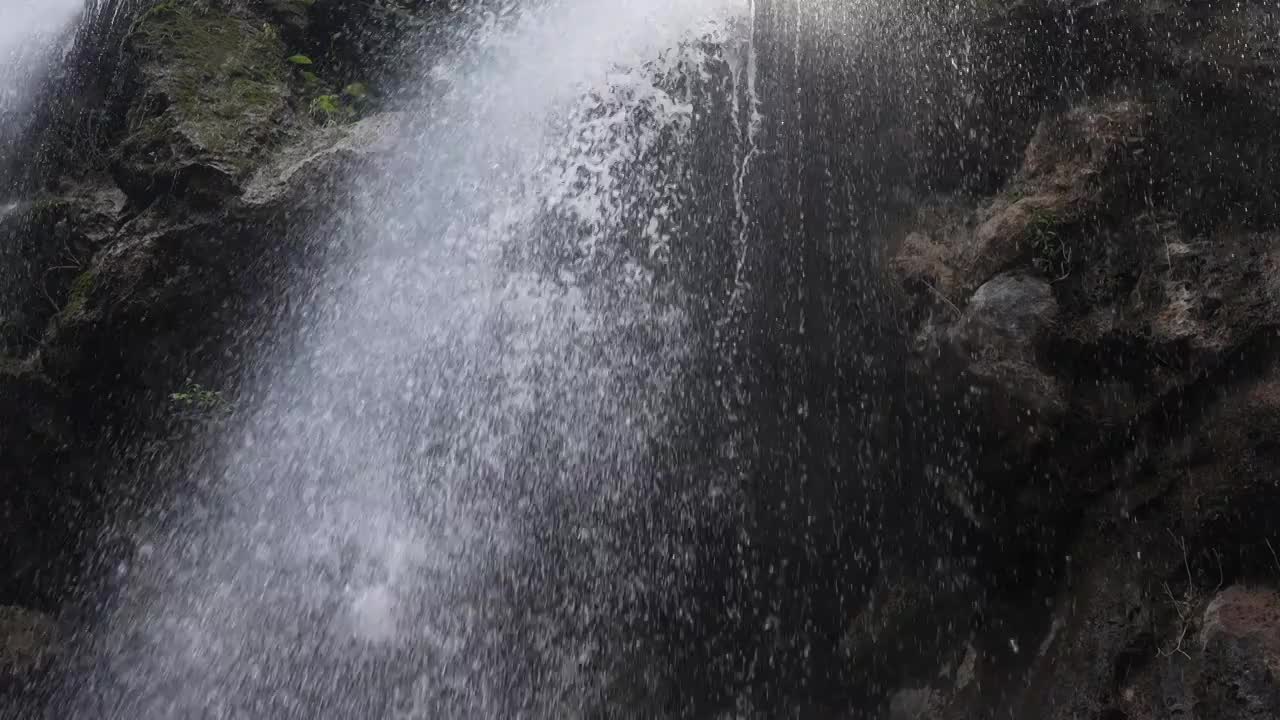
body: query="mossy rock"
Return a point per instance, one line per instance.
(44, 243)
(78, 296)
(214, 97)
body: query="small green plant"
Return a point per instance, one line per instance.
(78, 294)
(196, 397)
(356, 91)
(300, 60)
(1052, 254)
(327, 108)
(330, 108)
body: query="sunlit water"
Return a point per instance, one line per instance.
(417, 512)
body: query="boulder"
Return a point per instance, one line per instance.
(997, 340)
(1006, 317)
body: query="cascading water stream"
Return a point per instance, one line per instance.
(419, 512)
(33, 36)
(29, 39)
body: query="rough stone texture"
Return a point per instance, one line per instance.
(999, 336)
(307, 169)
(213, 97)
(1240, 656)
(1075, 167)
(28, 643)
(889, 641)
(44, 244)
(131, 281)
(1115, 298)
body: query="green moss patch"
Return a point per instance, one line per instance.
(78, 295)
(220, 80)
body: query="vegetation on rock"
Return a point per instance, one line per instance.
(215, 93)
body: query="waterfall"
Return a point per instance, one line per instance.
(432, 498)
(28, 47)
(33, 35)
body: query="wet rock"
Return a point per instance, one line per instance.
(886, 642)
(174, 276)
(1007, 316)
(1234, 46)
(1224, 488)
(1147, 302)
(34, 434)
(1008, 319)
(28, 419)
(306, 172)
(1076, 167)
(913, 704)
(360, 36)
(292, 16)
(1220, 660)
(28, 644)
(1240, 648)
(121, 284)
(44, 244)
(1115, 303)
(212, 97)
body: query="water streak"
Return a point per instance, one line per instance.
(34, 35)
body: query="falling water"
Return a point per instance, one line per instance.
(29, 38)
(33, 36)
(418, 510)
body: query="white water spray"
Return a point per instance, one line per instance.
(33, 34)
(466, 417)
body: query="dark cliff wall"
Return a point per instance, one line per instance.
(1074, 285)
(992, 243)
(846, 446)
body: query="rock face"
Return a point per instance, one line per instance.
(126, 275)
(29, 644)
(212, 95)
(1239, 673)
(1112, 300)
